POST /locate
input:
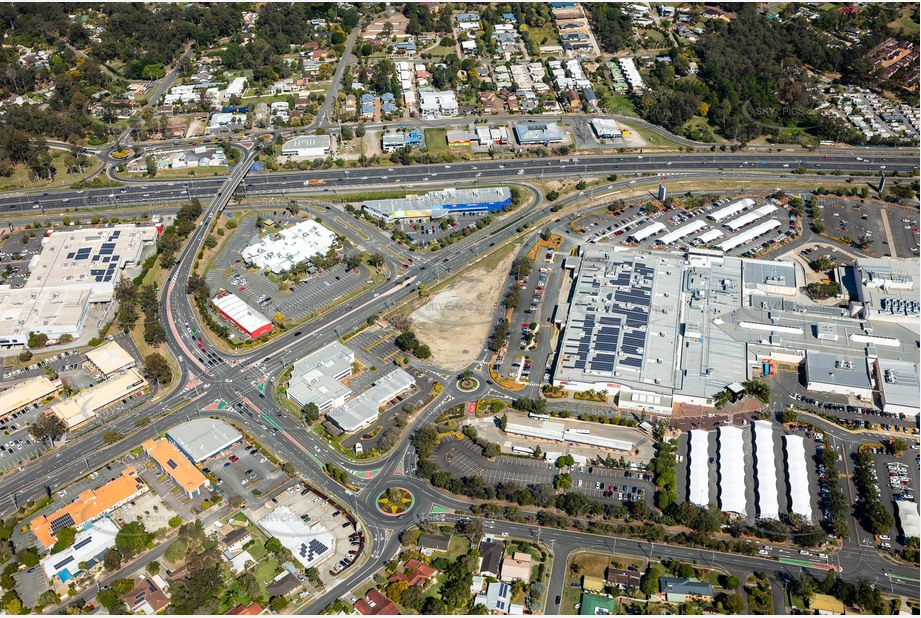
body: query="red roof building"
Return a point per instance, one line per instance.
(376, 604)
(415, 573)
(253, 609)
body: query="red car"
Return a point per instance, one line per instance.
(234, 458)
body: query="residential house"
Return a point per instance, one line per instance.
(253, 609)
(516, 566)
(681, 589)
(490, 559)
(434, 542)
(437, 104)
(497, 598)
(622, 578)
(592, 99)
(596, 605)
(389, 104)
(236, 539)
(376, 604)
(351, 105)
(283, 585)
(415, 573)
(146, 598)
(367, 106)
(491, 103)
(592, 584)
(573, 102)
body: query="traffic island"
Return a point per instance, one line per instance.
(395, 501)
(468, 384)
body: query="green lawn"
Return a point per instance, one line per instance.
(438, 50)
(436, 140)
(906, 24)
(184, 172)
(457, 547)
(266, 570)
(571, 596)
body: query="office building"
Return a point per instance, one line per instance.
(174, 463)
(110, 358)
(319, 377)
(89, 506)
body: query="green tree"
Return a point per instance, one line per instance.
(48, 427)
(65, 538)
(157, 368)
(310, 413)
(132, 539)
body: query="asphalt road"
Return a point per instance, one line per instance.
(263, 419)
(154, 192)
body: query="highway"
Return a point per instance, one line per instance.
(410, 178)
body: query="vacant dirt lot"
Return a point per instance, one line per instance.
(456, 322)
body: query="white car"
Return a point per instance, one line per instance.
(763, 552)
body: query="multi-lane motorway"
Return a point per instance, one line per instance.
(231, 380)
(153, 192)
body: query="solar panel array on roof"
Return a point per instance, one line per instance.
(63, 562)
(311, 550)
(64, 521)
(83, 543)
(171, 464)
(620, 293)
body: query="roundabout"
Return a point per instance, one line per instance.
(468, 384)
(395, 501)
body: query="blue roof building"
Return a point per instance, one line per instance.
(509, 17)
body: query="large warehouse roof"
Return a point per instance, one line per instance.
(24, 393)
(732, 209)
(83, 407)
(110, 357)
(308, 545)
(749, 217)
(251, 321)
(909, 520)
(203, 438)
(681, 232)
(765, 471)
(731, 484)
(554, 430)
(438, 203)
(650, 230)
(837, 371)
(797, 477)
(699, 477)
(748, 235)
(899, 385)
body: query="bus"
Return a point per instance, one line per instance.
(540, 417)
(525, 450)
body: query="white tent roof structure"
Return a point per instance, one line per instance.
(731, 485)
(749, 217)
(650, 230)
(797, 479)
(909, 520)
(699, 478)
(732, 209)
(765, 472)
